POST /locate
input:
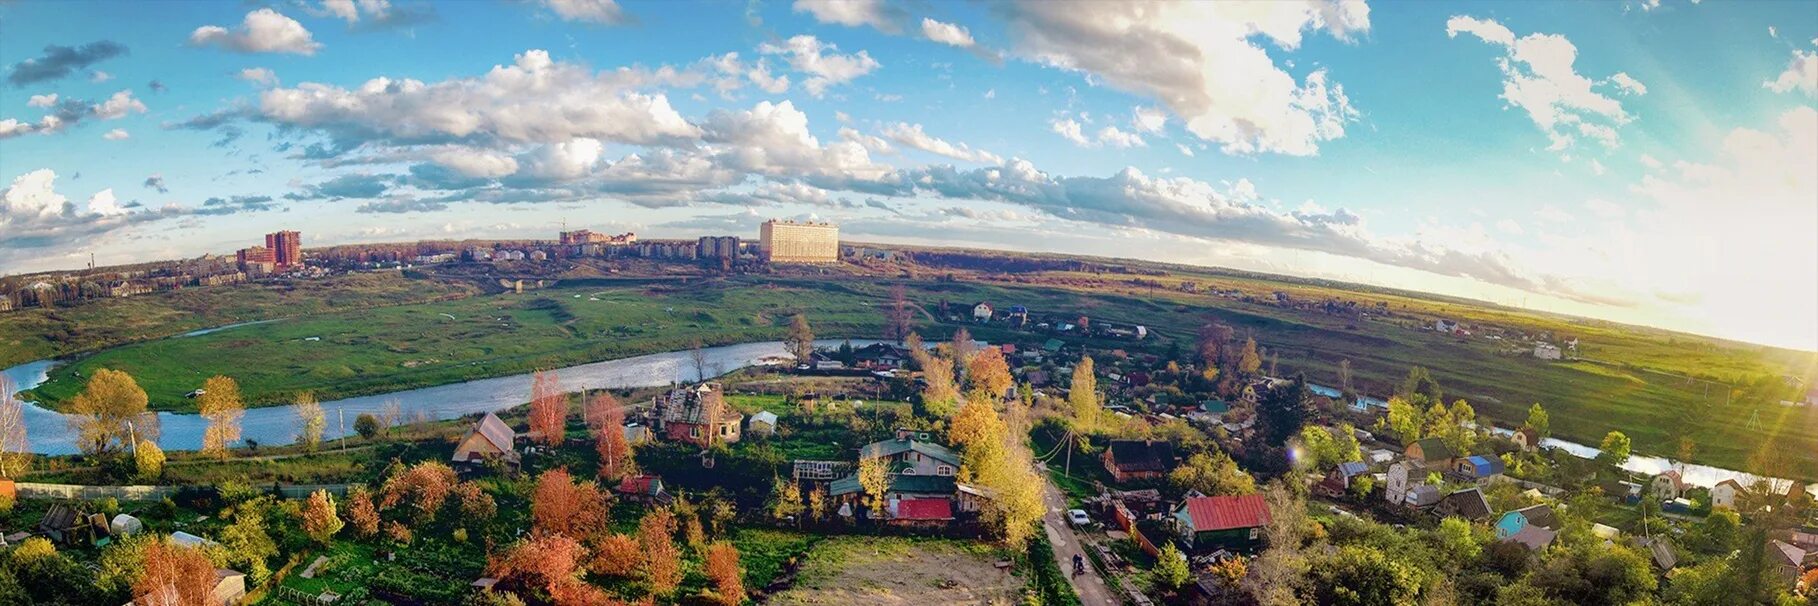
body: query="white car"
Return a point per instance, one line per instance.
(1078, 518)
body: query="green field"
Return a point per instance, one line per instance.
(1654, 385)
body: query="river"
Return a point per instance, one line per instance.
(48, 432)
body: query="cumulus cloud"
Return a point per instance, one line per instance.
(1539, 78)
(259, 75)
(1204, 62)
(1149, 120)
(602, 12)
(116, 134)
(47, 100)
(911, 135)
(946, 33)
(820, 62)
(34, 215)
(1800, 75)
(854, 13)
(1110, 136)
(64, 113)
(774, 139)
(61, 61)
(533, 100)
(262, 31)
(118, 106)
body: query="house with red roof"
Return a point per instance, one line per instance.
(1222, 522)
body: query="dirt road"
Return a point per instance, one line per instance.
(1090, 586)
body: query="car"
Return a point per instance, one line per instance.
(1078, 517)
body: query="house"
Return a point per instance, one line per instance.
(489, 439)
(1527, 438)
(1535, 538)
(880, 356)
(1444, 325)
(1422, 496)
(1789, 558)
(1379, 456)
(1430, 452)
(912, 453)
(1660, 552)
(1222, 522)
(1338, 481)
(981, 312)
(1546, 351)
(823, 361)
(636, 434)
(1511, 523)
(697, 415)
(1468, 504)
(1052, 346)
(1395, 484)
(917, 490)
(1623, 491)
(644, 489)
(1129, 460)
(1477, 467)
(1724, 493)
(1667, 486)
(763, 423)
(63, 524)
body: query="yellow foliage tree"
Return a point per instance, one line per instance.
(104, 413)
(1084, 397)
(874, 478)
(220, 404)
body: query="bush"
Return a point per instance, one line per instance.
(367, 425)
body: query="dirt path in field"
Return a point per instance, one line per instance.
(848, 571)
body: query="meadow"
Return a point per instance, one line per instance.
(1665, 390)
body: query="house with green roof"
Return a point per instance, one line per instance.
(923, 486)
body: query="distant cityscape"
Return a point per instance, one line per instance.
(780, 242)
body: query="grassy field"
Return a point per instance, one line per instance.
(1656, 386)
(898, 571)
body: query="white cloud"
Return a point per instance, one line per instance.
(1509, 226)
(478, 163)
(1604, 208)
(1150, 120)
(46, 100)
(116, 135)
(99, 76)
(1112, 136)
(1597, 167)
(259, 75)
(117, 106)
(33, 215)
(946, 33)
(1204, 61)
(871, 144)
(343, 9)
(1073, 130)
(853, 13)
(912, 135)
(773, 139)
(991, 93)
(104, 204)
(563, 161)
(603, 12)
(1539, 78)
(1069, 129)
(262, 31)
(824, 66)
(1801, 74)
(1184, 150)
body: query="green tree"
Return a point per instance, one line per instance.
(1716, 533)
(1460, 541)
(367, 425)
(1404, 420)
(1420, 384)
(1357, 575)
(1213, 474)
(1171, 568)
(1614, 450)
(248, 542)
(785, 499)
(1539, 421)
(1594, 574)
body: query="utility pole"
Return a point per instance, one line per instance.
(341, 418)
(1069, 445)
(133, 434)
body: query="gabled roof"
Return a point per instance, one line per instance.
(648, 485)
(1226, 512)
(924, 509)
(1142, 455)
(922, 484)
(1468, 503)
(1539, 515)
(844, 486)
(1352, 468)
(1732, 483)
(765, 417)
(496, 432)
(60, 516)
(1484, 466)
(1535, 538)
(1788, 554)
(1662, 552)
(893, 447)
(1434, 449)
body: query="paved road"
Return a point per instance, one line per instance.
(1090, 586)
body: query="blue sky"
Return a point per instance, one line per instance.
(1649, 162)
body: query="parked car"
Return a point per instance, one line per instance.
(1078, 518)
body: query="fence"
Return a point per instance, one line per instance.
(1127, 521)
(32, 490)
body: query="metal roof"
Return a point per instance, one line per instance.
(1227, 512)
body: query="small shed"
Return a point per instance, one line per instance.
(185, 539)
(62, 523)
(762, 423)
(1477, 467)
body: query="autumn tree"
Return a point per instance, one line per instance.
(221, 405)
(178, 575)
(1214, 474)
(311, 420)
(1249, 361)
(1404, 420)
(319, 519)
(148, 460)
(563, 506)
(424, 487)
(1084, 397)
(918, 351)
(108, 412)
(941, 394)
(361, 512)
(785, 499)
(546, 562)
(476, 506)
(723, 571)
(874, 478)
(548, 409)
(1210, 345)
(800, 342)
(961, 348)
(899, 318)
(13, 447)
(609, 437)
(616, 555)
(989, 372)
(976, 424)
(662, 559)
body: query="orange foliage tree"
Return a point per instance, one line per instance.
(989, 372)
(662, 559)
(361, 512)
(564, 507)
(723, 571)
(477, 507)
(609, 437)
(319, 519)
(425, 487)
(616, 555)
(544, 561)
(174, 575)
(548, 408)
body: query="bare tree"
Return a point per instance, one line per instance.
(390, 414)
(12, 427)
(698, 356)
(1344, 375)
(898, 318)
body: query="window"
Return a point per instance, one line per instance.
(943, 470)
(908, 471)
(694, 432)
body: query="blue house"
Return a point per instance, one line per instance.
(1537, 515)
(1478, 467)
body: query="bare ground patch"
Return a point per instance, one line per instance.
(845, 571)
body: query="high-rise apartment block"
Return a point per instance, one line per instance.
(286, 247)
(792, 242)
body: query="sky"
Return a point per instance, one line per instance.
(1644, 161)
